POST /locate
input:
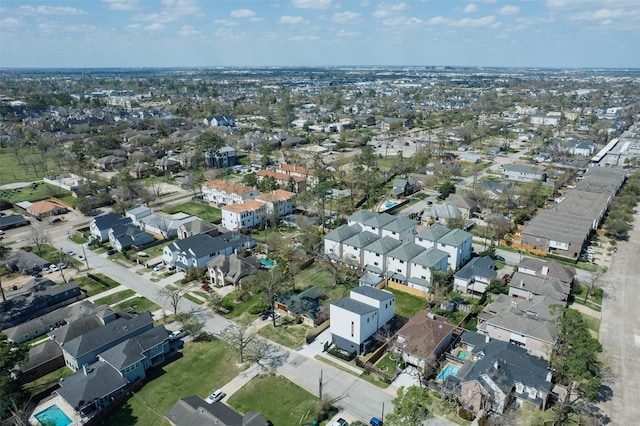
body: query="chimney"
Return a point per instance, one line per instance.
(514, 304)
(522, 283)
(545, 270)
(86, 370)
(496, 365)
(549, 375)
(487, 338)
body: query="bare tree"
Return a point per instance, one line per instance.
(39, 237)
(243, 339)
(592, 282)
(173, 296)
(214, 301)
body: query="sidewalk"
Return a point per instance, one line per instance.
(316, 348)
(106, 293)
(241, 380)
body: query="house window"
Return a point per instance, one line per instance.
(402, 262)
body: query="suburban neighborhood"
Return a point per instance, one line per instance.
(319, 246)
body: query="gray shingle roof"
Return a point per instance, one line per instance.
(380, 220)
(80, 390)
(373, 293)
(478, 267)
(383, 245)
(110, 332)
(361, 216)
(354, 306)
(400, 224)
(455, 238)
(406, 251)
(433, 233)
(131, 350)
(343, 232)
(361, 240)
(194, 411)
(430, 257)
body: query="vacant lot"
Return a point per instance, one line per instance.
(202, 368)
(321, 276)
(138, 304)
(11, 171)
(115, 297)
(277, 399)
(406, 304)
(93, 286)
(204, 212)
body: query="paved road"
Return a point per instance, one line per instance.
(620, 332)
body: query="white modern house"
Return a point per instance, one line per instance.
(352, 248)
(356, 318)
(431, 235)
(223, 192)
(399, 261)
(457, 243)
(421, 267)
(522, 173)
(474, 277)
(242, 216)
(375, 254)
(402, 229)
(334, 239)
(279, 203)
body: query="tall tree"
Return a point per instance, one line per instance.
(11, 354)
(173, 296)
(39, 236)
(410, 407)
(244, 340)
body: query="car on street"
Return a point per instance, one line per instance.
(80, 257)
(158, 268)
(112, 251)
(375, 421)
(71, 253)
(500, 258)
(215, 396)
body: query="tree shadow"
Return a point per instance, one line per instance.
(273, 357)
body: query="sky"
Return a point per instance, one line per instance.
(196, 33)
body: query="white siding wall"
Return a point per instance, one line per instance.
(351, 326)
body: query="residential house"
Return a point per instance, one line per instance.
(132, 357)
(474, 277)
(198, 250)
(495, 374)
(466, 205)
(387, 123)
(23, 261)
(402, 229)
(101, 225)
(43, 358)
(121, 237)
(197, 226)
(110, 162)
(457, 243)
(279, 203)
(352, 248)
(399, 262)
(220, 121)
(375, 254)
(552, 269)
(365, 120)
(423, 264)
(243, 216)
(84, 349)
(230, 269)
(137, 213)
(220, 159)
(165, 226)
(12, 221)
(525, 286)
(403, 187)
(46, 208)
(295, 184)
(298, 171)
(194, 411)
(360, 217)
(35, 298)
(544, 120)
(371, 280)
(376, 223)
(442, 213)
(422, 340)
(584, 149)
(335, 238)
(525, 323)
(305, 305)
(523, 173)
(429, 237)
(355, 319)
(222, 192)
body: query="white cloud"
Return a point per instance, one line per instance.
(52, 10)
(345, 17)
(154, 27)
(292, 20)
(181, 7)
(463, 23)
(386, 9)
(602, 14)
(348, 34)
(508, 10)
(120, 5)
(225, 22)
(401, 21)
(243, 13)
(311, 4)
(471, 8)
(188, 31)
(11, 22)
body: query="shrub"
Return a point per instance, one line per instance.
(204, 337)
(257, 309)
(465, 414)
(483, 421)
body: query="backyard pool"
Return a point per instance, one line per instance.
(391, 203)
(463, 355)
(53, 416)
(448, 370)
(267, 263)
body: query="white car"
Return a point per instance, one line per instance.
(71, 253)
(46, 270)
(54, 267)
(62, 266)
(158, 268)
(215, 396)
(80, 257)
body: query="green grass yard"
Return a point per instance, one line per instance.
(115, 297)
(204, 212)
(45, 382)
(291, 336)
(277, 399)
(138, 304)
(202, 368)
(93, 287)
(406, 304)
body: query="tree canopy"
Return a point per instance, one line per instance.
(410, 407)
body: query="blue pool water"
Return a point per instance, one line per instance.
(448, 370)
(390, 204)
(53, 415)
(267, 263)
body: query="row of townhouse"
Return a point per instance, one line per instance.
(245, 207)
(389, 246)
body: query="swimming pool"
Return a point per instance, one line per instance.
(53, 416)
(390, 204)
(448, 370)
(463, 355)
(267, 263)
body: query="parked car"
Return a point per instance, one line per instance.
(46, 270)
(375, 421)
(62, 266)
(266, 314)
(53, 267)
(215, 396)
(158, 268)
(340, 422)
(177, 334)
(206, 288)
(71, 253)
(112, 251)
(274, 315)
(81, 257)
(500, 258)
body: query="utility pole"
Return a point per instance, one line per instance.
(60, 265)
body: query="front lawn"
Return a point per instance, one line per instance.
(319, 275)
(238, 308)
(93, 287)
(193, 299)
(291, 336)
(406, 304)
(277, 399)
(202, 368)
(45, 382)
(115, 297)
(138, 304)
(204, 212)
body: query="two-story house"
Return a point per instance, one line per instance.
(356, 318)
(457, 243)
(242, 216)
(522, 173)
(101, 225)
(196, 251)
(279, 203)
(223, 192)
(399, 261)
(375, 254)
(474, 277)
(422, 266)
